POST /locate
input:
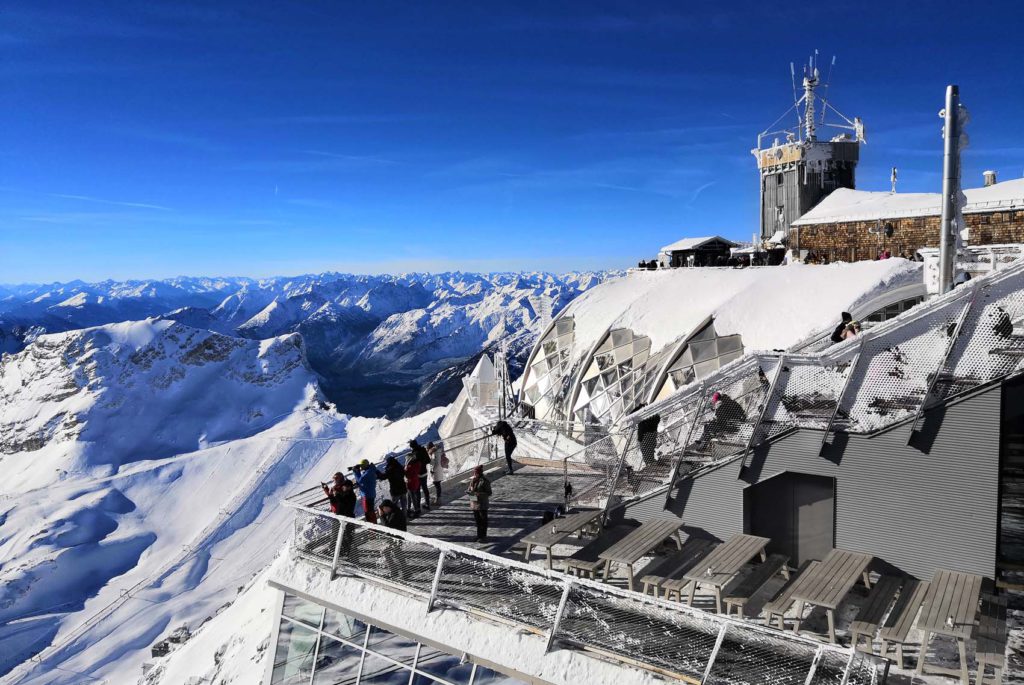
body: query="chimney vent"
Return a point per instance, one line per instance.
(990, 178)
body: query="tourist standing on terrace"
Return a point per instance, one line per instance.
(412, 480)
(395, 474)
(439, 461)
(419, 453)
(505, 431)
(366, 477)
(479, 491)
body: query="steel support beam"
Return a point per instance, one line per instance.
(337, 549)
(950, 344)
(760, 415)
(682, 451)
(842, 393)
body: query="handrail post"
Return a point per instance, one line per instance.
(558, 615)
(682, 450)
(342, 525)
(842, 391)
(849, 667)
(769, 394)
(714, 652)
(950, 344)
(814, 665)
(437, 581)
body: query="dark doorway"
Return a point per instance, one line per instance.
(795, 510)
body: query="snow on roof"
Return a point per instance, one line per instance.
(844, 204)
(770, 307)
(694, 243)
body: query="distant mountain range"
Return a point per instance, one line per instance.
(381, 345)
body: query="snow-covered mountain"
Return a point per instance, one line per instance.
(142, 467)
(381, 344)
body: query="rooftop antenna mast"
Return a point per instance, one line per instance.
(828, 82)
(811, 81)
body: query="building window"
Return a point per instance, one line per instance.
(548, 381)
(893, 310)
(778, 179)
(326, 647)
(704, 353)
(612, 385)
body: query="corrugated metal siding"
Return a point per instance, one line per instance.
(917, 512)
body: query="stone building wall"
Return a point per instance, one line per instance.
(852, 241)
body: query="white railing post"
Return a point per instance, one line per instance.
(437, 581)
(814, 665)
(768, 397)
(842, 391)
(714, 652)
(558, 616)
(337, 549)
(849, 667)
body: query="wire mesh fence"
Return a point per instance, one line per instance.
(633, 628)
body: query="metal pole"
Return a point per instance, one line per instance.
(437, 581)
(814, 665)
(337, 549)
(950, 174)
(714, 653)
(558, 616)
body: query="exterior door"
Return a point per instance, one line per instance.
(796, 511)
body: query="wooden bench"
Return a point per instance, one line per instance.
(865, 625)
(585, 561)
(901, 619)
(780, 604)
(675, 565)
(991, 638)
(746, 588)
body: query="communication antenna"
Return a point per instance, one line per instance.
(828, 81)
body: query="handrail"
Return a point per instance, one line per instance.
(643, 603)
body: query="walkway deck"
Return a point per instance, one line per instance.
(517, 504)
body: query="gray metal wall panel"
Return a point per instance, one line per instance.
(918, 512)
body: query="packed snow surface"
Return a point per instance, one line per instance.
(845, 204)
(770, 307)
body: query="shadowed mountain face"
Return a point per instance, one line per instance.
(381, 345)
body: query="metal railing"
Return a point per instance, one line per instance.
(894, 372)
(632, 628)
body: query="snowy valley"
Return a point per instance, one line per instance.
(144, 461)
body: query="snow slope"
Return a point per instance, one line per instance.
(143, 464)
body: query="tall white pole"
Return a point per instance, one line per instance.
(950, 174)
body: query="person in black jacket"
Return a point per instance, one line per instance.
(391, 516)
(334, 492)
(420, 454)
(647, 436)
(837, 334)
(395, 474)
(505, 431)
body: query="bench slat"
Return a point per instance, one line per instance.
(878, 602)
(897, 626)
(780, 604)
(757, 579)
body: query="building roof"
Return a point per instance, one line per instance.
(844, 204)
(694, 243)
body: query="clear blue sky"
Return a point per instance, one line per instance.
(151, 139)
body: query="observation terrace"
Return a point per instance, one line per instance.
(889, 378)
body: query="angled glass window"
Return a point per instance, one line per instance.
(702, 355)
(293, 658)
(612, 384)
(548, 380)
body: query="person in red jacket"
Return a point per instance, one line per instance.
(412, 479)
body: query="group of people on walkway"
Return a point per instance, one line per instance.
(409, 485)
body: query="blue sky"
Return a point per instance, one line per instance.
(152, 139)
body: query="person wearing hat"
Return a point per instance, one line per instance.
(341, 496)
(479, 491)
(365, 476)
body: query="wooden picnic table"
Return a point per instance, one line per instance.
(950, 608)
(722, 565)
(828, 583)
(639, 542)
(551, 534)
